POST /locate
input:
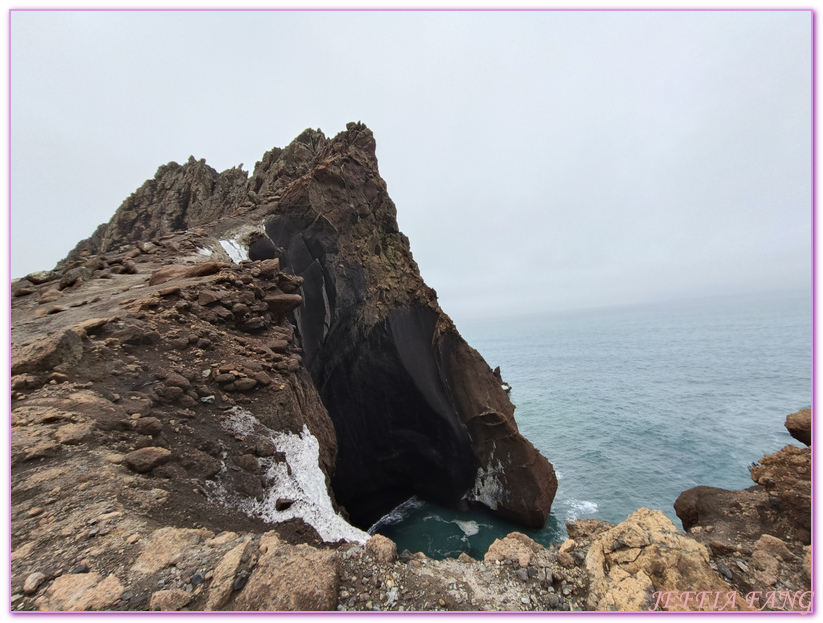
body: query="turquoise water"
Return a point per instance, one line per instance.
(635, 405)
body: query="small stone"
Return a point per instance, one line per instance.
(33, 512)
(248, 462)
(244, 384)
(197, 579)
(132, 538)
(282, 504)
(564, 559)
(177, 380)
(742, 565)
(33, 582)
(523, 574)
(80, 569)
(723, 569)
(240, 581)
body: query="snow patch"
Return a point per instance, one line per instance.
(299, 479)
(235, 250)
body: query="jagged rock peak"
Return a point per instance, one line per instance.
(416, 410)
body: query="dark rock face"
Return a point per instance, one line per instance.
(415, 409)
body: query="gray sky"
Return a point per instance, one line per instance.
(539, 160)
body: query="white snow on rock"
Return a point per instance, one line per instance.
(206, 252)
(299, 478)
(235, 250)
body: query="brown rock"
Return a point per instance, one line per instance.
(207, 297)
(281, 304)
(33, 582)
(293, 578)
(169, 600)
(262, 378)
(643, 555)
(64, 348)
(148, 426)
(221, 586)
(164, 546)
(81, 591)
(177, 380)
(176, 271)
(586, 529)
(382, 548)
(146, 459)
(766, 567)
(248, 462)
(514, 547)
(775, 547)
(41, 276)
(71, 434)
(564, 559)
(49, 296)
(799, 425)
(268, 268)
(244, 384)
(199, 464)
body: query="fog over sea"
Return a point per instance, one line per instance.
(634, 405)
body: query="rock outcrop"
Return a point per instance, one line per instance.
(799, 425)
(644, 555)
(758, 537)
(416, 410)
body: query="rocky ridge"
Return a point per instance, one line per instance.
(173, 407)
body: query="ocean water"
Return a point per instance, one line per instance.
(633, 406)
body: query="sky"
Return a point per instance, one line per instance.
(539, 161)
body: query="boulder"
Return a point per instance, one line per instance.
(294, 578)
(382, 548)
(644, 555)
(63, 349)
(799, 425)
(514, 547)
(146, 459)
(81, 591)
(176, 271)
(164, 545)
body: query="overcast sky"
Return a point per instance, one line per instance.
(539, 160)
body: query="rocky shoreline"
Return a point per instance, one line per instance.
(211, 392)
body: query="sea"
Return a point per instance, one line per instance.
(632, 406)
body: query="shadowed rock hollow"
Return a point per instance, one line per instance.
(416, 410)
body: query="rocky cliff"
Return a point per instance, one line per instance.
(416, 411)
(210, 390)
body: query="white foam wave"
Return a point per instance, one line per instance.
(469, 528)
(579, 508)
(397, 514)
